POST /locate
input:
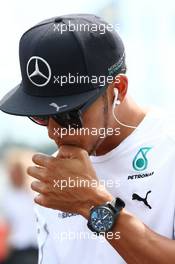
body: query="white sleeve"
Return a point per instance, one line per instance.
(47, 252)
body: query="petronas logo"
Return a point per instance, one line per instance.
(140, 161)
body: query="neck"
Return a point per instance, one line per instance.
(127, 113)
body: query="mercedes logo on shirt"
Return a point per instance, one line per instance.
(38, 71)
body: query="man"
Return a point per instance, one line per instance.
(121, 182)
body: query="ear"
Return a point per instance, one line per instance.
(121, 83)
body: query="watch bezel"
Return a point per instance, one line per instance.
(101, 207)
(115, 206)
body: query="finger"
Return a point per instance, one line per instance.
(42, 200)
(70, 152)
(39, 199)
(39, 187)
(38, 173)
(43, 160)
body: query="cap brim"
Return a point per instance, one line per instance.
(17, 102)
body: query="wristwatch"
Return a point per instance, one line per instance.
(103, 217)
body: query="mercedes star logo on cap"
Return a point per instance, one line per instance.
(46, 66)
(33, 70)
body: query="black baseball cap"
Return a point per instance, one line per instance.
(48, 54)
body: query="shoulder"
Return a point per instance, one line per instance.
(164, 123)
(169, 127)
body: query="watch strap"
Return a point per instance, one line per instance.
(117, 204)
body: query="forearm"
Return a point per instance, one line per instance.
(138, 244)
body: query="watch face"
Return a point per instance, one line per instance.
(102, 219)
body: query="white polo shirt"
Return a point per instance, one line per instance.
(142, 165)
